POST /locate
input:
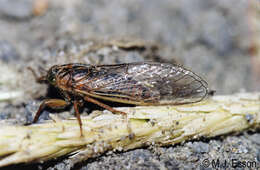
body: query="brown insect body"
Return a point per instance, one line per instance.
(144, 83)
(135, 83)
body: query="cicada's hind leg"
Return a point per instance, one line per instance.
(50, 103)
(113, 111)
(104, 105)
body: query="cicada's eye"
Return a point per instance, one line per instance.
(51, 76)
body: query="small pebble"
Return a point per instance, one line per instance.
(200, 147)
(255, 138)
(258, 156)
(17, 9)
(40, 7)
(8, 52)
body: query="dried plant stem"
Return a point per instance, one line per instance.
(143, 126)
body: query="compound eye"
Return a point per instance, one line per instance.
(51, 78)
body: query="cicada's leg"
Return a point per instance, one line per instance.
(51, 103)
(103, 105)
(76, 108)
(39, 79)
(113, 111)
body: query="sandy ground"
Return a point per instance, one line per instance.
(217, 39)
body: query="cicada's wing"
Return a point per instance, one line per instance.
(144, 84)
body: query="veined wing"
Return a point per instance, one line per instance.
(144, 83)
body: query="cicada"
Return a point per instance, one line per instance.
(142, 83)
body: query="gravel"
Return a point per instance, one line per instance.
(210, 37)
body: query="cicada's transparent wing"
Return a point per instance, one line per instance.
(144, 84)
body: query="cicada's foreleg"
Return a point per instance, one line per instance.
(50, 103)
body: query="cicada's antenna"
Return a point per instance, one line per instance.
(39, 79)
(42, 70)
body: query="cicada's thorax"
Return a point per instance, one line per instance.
(71, 77)
(64, 82)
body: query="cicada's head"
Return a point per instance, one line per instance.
(52, 75)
